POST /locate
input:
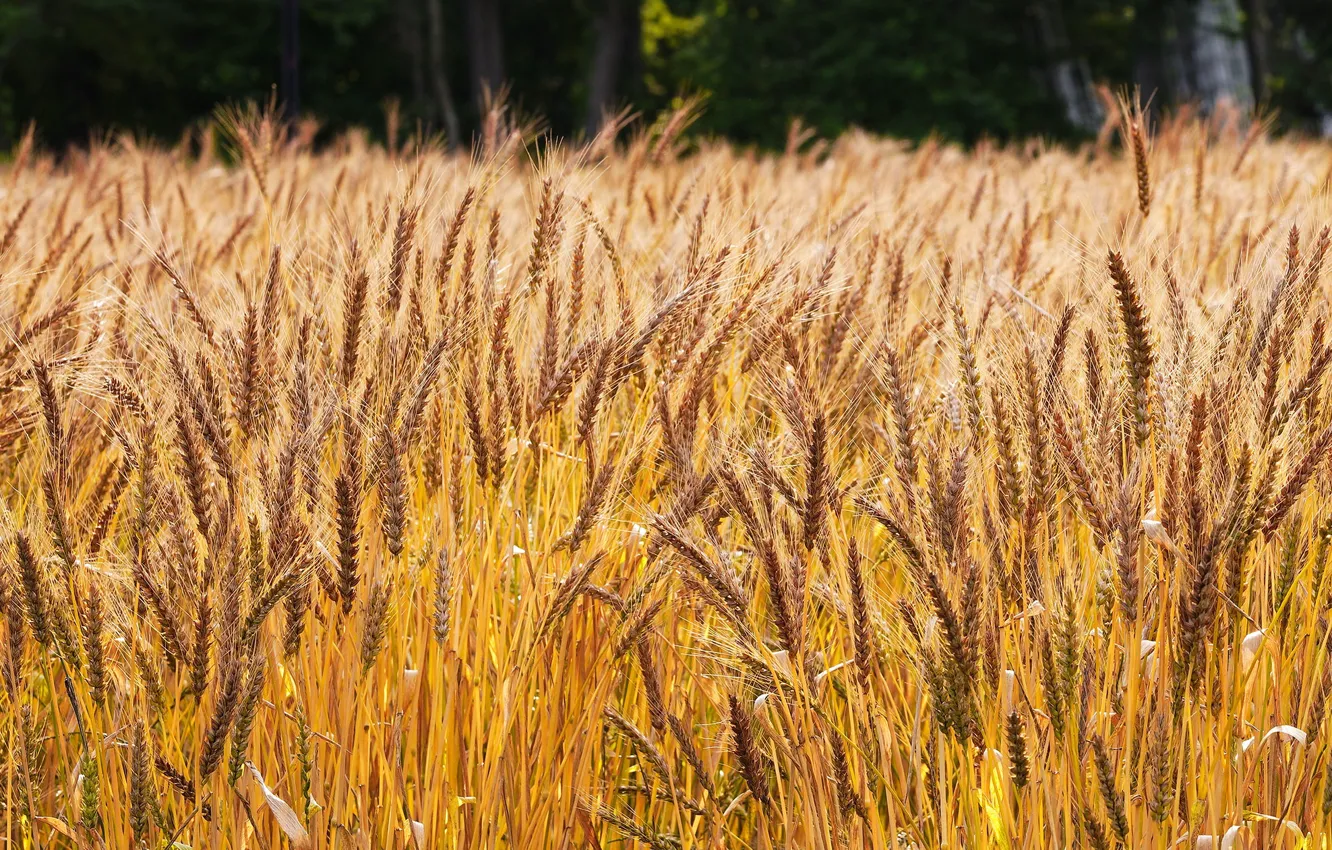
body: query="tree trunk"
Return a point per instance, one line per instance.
(1068, 72)
(619, 45)
(486, 49)
(1183, 52)
(1221, 57)
(439, 81)
(1256, 25)
(409, 34)
(291, 57)
(610, 27)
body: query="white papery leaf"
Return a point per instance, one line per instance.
(1249, 649)
(286, 817)
(1209, 842)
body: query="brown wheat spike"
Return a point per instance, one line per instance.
(375, 625)
(1114, 803)
(94, 643)
(392, 491)
(899, 399)
(1296, 480)
(896, 531)
(224, 713)
(546, 235)
(475, 432)
(646, 750)
(570, 588)
(860, 612)
(640, 622)
(348, 510)
(141, 793)
(817, 482)
(857, 509)
(55, 522)
(296, 605)
(245, 717)
(1080, 478)
(11, 230)
(52, 415)
(445, 265)
(53, 318)
(1137, 342)
(443, 619)
(265, 601)
(684, 737)
(177, 780)
(1160, 767)
(355, 291)
(625, 823)
(403, 234)
(201, 644)
(970, 371)
(734, 598)
(1096, 837)
(248, 401)
(35, 602)
(747, 752)
(1019, 767)
(847, 797)
(183, 292)
(1138, 132)
(656, 700)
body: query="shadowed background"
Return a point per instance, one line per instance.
(967, 69)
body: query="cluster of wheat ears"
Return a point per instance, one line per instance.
(563, 496)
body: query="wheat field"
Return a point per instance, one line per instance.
(638, 493)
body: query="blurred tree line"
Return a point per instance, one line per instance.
(963, 68)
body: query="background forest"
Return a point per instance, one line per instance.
(966, 68)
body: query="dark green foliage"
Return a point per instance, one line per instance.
(962, 69)
(156, 66)
(965, 69)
